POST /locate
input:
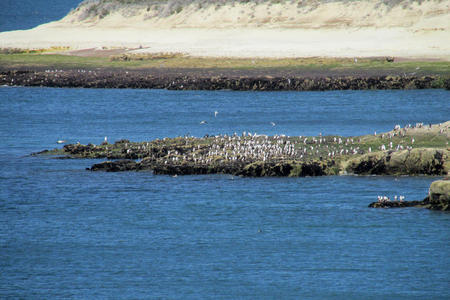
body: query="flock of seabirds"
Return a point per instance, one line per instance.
(384, 199)
(253, 147)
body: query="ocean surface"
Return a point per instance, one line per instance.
(70, 233)
(26, 14)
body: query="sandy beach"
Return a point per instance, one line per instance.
(240, 42)
(245, 30)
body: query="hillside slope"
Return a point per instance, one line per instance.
(431, 15)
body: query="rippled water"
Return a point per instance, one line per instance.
(26, 14)
(69, 233)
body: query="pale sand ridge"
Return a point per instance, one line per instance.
(338, 29)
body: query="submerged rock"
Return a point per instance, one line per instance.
(393, 204)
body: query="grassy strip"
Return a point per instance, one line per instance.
(21, 60)
(31, 51)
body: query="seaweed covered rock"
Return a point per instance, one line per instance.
(260, 169)
(440, 190)
(439, 195)
(282, 169)
(115, 166)
(368, 164)
(189, 79)
(395, 204)
(413, 162)
(181, 169)
(312, 168)
(447, 84)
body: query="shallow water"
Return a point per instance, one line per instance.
(69, 233)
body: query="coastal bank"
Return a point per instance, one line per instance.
(216, 79)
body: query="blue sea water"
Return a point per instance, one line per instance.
(26, 14)
(70, 233)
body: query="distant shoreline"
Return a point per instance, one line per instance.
(117, 68)
(216, 79)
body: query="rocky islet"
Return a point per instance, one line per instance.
(413, 150)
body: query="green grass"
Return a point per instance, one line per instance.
(30, 60)
(50, 60)
(435, 67)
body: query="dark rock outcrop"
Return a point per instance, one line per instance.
(447, 84)
(395, 204)
(289, 168)
(115, 166)
(256, 169)
(188, 80)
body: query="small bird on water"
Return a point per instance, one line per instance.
(216, 113)
(203, 122)
(60, 141)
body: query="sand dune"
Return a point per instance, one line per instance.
(267, 29)
(415, 15)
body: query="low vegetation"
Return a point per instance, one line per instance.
(40, 58)
(145, 56)
(31, 51)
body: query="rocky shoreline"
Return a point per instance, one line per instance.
(402, 151)
(198, 80)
